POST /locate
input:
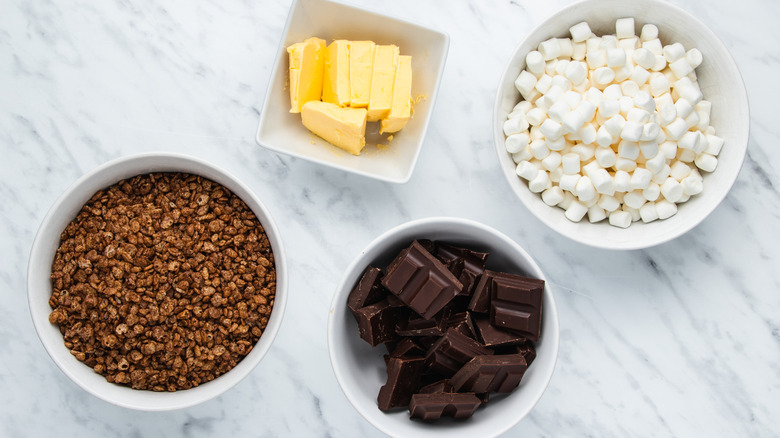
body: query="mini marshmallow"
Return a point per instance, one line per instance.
(624, 27)
(604, 138)
(654, 46)
(605, 157)
(629, 88)
(536, 133)
(683, 198)
(632, 131)
(608, 203)
(625, 164)
(569, 182)
(694, 57)
(614, 125)
(616, 57)
(643, 58)
(568, 198)
(689, 140)
(673, 52)
(609, 108)
(534, 63)
(578, 51)
(639, 75)
(671, 189)
(648, 32)
(676, 129)
(665, 209)
(701, 143)
(517, 142)
(681, 67)
(623, 73)
(714, 144)
(634, 199)
(620, 219)
(557, 144)
(656, 163)
(586, 152)
(640, 179)
(661, 176)
(648, 212)
(608, 42)
(580, 32)
(550, 49)
(552, 196)
(589, 168)
(667, 113)
(684, 108)
(613, 92)
(544, 83)
(594, 96)
(526, 170)
(648, 148)
(650, 131)
(540, 182)
(523, 106)
(587, 133)
(686, 89)
(660, 63)
(551, 161)
(570, 163)
(539, 149)
(523, 155)
(552, 129)
(585, 190)
(692, 186)
(602, 181)
(686, 155)
(596, 59)
(572, 98)
(626, 103)
(652, 191)
(634, 212)
(627, 44)
(516, 125)
(643, 99)
(558, 110)
(692, 120)
(561, 81)
(596, 214)
(622, 181)
(706, 162)
(576, 72)
(575, 211)
(556, 174)
(603, 75)
(525, 83)
(638, 115)
(659, 85)
(535, 116)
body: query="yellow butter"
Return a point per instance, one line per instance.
(382, 77)
(340, 126)
(361, 61)
(401, 108)
(306, 66)
(335, 81)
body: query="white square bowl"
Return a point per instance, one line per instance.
(283, 132)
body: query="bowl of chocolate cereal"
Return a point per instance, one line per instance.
(443, 327)
(157, 281)
(621, 125)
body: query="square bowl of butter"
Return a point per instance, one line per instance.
(352, 89)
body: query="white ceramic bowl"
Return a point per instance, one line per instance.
(45, 246)
(720, 82)
(360, 369)
(283, 132)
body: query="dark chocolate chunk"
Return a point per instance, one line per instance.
(416, 326)
(462, 322)
(421, 281)
(403, 379)
(368, 290)
(451, 351)
(516, 304)
(443, 404)
(492, 336)
(498, 373)
(480, 297)
(466, 264)
(443, 385)
(378, 322)
(484, 397)
(406, 347)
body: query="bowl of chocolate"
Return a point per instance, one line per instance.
(157, 281)
(443, 326)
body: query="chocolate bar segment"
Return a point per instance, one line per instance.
(480, 297)
(466, 264)
(421, 281)
(493, 336)
(443, 404)
(498, 373)
(516, 304)
(451, 351)
(406, 347)
(367, 291)
(416, 326)
(462, 322)
(443, 385)
(378, 322)
(403, 379)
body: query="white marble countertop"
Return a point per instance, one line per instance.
(681, 339)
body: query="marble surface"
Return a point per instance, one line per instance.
(681, 339)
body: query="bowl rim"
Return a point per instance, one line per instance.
(178, 399)
(432, 95)
(342, 291)
(626, 244)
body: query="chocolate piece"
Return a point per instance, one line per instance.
(466, 264)
(493, 336)
(378, 322)
(484, 397)
(443, 385)
(443, 404)
(367, 291)
(528, 350)
(421, 281)
(407, 348)
(490, 374)
(403, 378)
(417, 326)
(462, 322)
(480, 297)
(516, 304)
(451, 351)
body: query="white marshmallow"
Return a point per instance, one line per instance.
(667, 113)
(643, 99)
(552, 196)
(525, 83)
(676, 129)
(515, 125)
(517, 142)
(629, 88)
(593, 43)
(603, 75)
(616, 57)
(585, 190)
(589, 168)
(550, 49)
(683, 198)
(523, 106)
(632, 131)
(650, 131)
(613, 92)
(578, 51)
(526, 170)
(608, 203)
(522, 155)
(648, 32)
(624, 27)
(596, 214)
(692, 120)
(673, 52)
(686, 89)
(634, 199)
(659, 85)
(649, 148)
(605, 157)
(594, 96)
(671, 189)
(643, 58)
(706, 162)
(692, 186)
(689, 140)
(609, 108)
(684, 108)
(556, 174)
(540, 182)
(622, 181)
(596, 59)
(534, 63)
(620, 219)
(661, 176)
(686, 155)
(625, 164)
(536, 133)
(602, 181)
(608, 42)
(575, 211)
(640, 179)
(552, 129)
(714, 144)
(626, 103)
(660, 63)
(568, 198)
(638, 115)
(544, 83)
(654, 46)
(681, 67)
(656, 163)
(561, 81)
(535, 116)
(629, 44)
(648, 212)
(652, 191)
(614, 125)
(570, 163)
(557, 144)
(604, 138)
(576, 72)
(539, 149)
(566, 48)
(580, 32)
(665, 209)
(694, 57)
(587, 133)
(585, 152)
(640, 75)
(569, 182)
(558, 110)
(551, 161)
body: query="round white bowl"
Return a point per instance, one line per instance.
(360, 369)
(45, 246)
(720, 82)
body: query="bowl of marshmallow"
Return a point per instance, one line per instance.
(621, 125)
